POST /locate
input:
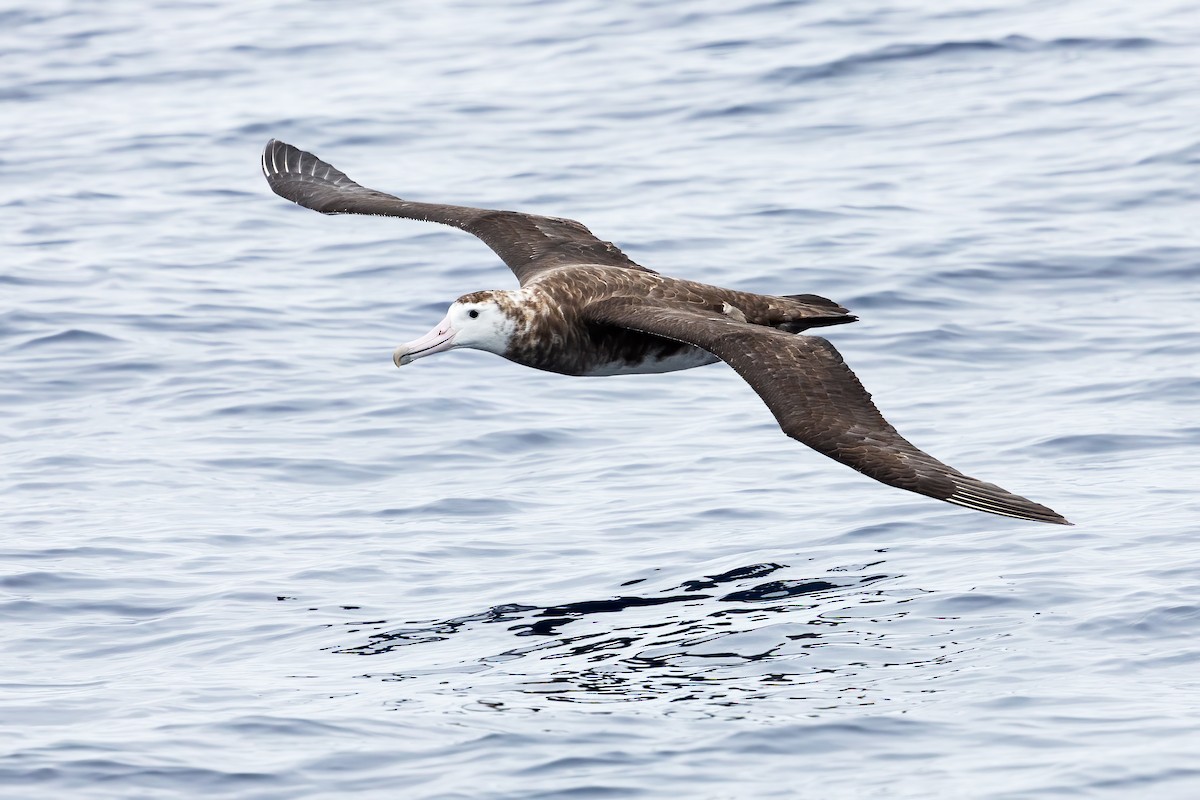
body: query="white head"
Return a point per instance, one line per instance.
(474, 320)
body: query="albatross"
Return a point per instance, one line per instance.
(584, 308)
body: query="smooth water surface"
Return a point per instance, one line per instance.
(244, 556)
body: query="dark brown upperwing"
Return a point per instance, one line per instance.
(527, 243)
(820, 402)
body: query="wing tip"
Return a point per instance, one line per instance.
(280, 158)
(303, 178)
(270, 157)
(1005, 504)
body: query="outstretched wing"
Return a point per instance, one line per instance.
(527, 243)
(820, 402)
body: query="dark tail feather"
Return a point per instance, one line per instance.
(816, 301)
(820, 311)
(796, 326)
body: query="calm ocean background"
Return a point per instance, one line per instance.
(243, 556)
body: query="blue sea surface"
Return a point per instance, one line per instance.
(244, 556)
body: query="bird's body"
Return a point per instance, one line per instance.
(550, 329)
(547, 336)
(584, 308)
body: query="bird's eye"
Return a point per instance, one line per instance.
(473, 313)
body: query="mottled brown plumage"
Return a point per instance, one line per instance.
(584, 308)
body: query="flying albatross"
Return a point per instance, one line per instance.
(584, 308)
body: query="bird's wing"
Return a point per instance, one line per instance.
(527, 243)
(819, 401)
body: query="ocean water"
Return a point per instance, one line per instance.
(244, 556)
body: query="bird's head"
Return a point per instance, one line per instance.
(480, 320)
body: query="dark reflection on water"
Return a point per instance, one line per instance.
(731, 630)
(545, 621)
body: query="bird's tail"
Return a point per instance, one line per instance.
(813, 311)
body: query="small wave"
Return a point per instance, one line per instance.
(453, 507)
(739, 110)
(912, 52)
(1183, 156)
(72, 336)
(1108, 443)
(317, 472)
